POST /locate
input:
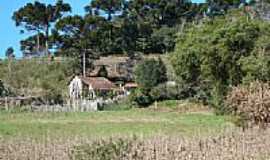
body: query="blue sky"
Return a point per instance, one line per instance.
(10, 34)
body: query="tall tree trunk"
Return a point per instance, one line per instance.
(84, 63)
(38, 43)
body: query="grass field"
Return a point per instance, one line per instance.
(109, 123)
(108, 135)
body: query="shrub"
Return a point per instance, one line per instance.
(164, 92)
(149, 73)
(2, 89)
(140, 98)
(251, 103)
(107, 150)
(237, 51)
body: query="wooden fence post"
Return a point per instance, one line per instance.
(6, 103)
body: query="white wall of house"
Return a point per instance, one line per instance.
(92, 92)
(75, 88)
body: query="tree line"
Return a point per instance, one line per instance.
(110, 26)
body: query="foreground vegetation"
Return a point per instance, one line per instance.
(233, 145)
(166, 130)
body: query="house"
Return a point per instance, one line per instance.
(118, 68)
(91, 87)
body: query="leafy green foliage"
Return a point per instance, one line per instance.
(38, 77)
(76, 36)
(34, 45)
(107, 149)
(163, 40)
(3, 90)
(140, 98)
(10, 52)
(147, 26)
(220, 53)
(164, 92)
(39, 17)
(220, 7)
(150, 73)
(110, 7)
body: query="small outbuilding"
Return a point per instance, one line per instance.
(129, 87)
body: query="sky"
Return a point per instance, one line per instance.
(10, 35)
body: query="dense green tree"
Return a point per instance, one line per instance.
(220, 7)
(39, 17)
(110, 35)
(10, 52)
(80, 37)
(150, 73)
(110, 7)
(164, 12)
(163, 40)
(221, 53)
(30, 48)
(128, 35)
(150, 26)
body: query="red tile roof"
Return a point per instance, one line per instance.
(98, 83)
(131, 85)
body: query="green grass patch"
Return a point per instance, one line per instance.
(184, 106)
(108, 123)
(117, 107)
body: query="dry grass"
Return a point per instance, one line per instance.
(251, 102)
(232, 145)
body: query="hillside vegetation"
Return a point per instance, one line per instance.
(37, 77)
(223, 52)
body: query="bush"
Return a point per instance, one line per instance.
(251, 103)
(139, 98)
(164, 92)
(149, 73)
(216, 99)
(2, 89)
(108, 150)
(237, 51)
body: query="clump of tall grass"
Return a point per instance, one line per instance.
(251, 103)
